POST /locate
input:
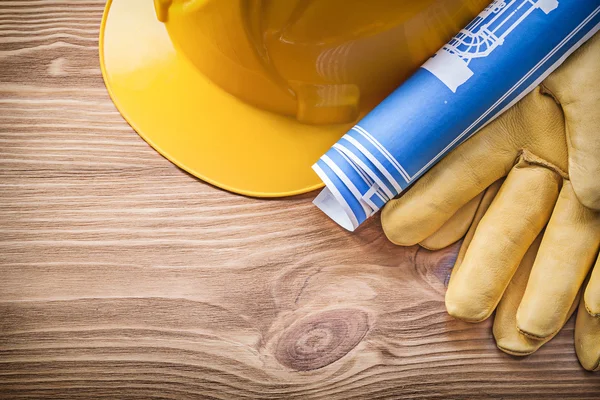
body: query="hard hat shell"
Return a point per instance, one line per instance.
(248, 94)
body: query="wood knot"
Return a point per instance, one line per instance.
(320, 339)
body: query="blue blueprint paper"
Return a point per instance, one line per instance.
(497, 59)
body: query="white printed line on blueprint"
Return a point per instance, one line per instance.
(377, 164)
(378, 194)
(506, 7)
(535, 83)
(552, 68)
(521, 18)
(340, 174)
(372, 190)
(338, 196)
(362, 165)
(359, 171)
(363, 175)
(383, 150)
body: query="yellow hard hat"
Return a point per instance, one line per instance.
(248, 94)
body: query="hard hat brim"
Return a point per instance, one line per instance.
(194, 123)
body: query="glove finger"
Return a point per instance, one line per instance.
(587, 332)
(458, 178)
(508, 338)
(488, 196)
(516, 216)
(567, 252)
(592, 292)
(455, 228)
(575, 87)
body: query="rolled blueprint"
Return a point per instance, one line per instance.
(487, 67)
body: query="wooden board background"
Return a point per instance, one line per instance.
(124, 277)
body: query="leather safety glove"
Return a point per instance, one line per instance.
(551, 133)
(508, 337)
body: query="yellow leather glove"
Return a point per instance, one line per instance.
(549, 137)
(506, 332)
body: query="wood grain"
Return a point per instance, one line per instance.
(124, 277)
